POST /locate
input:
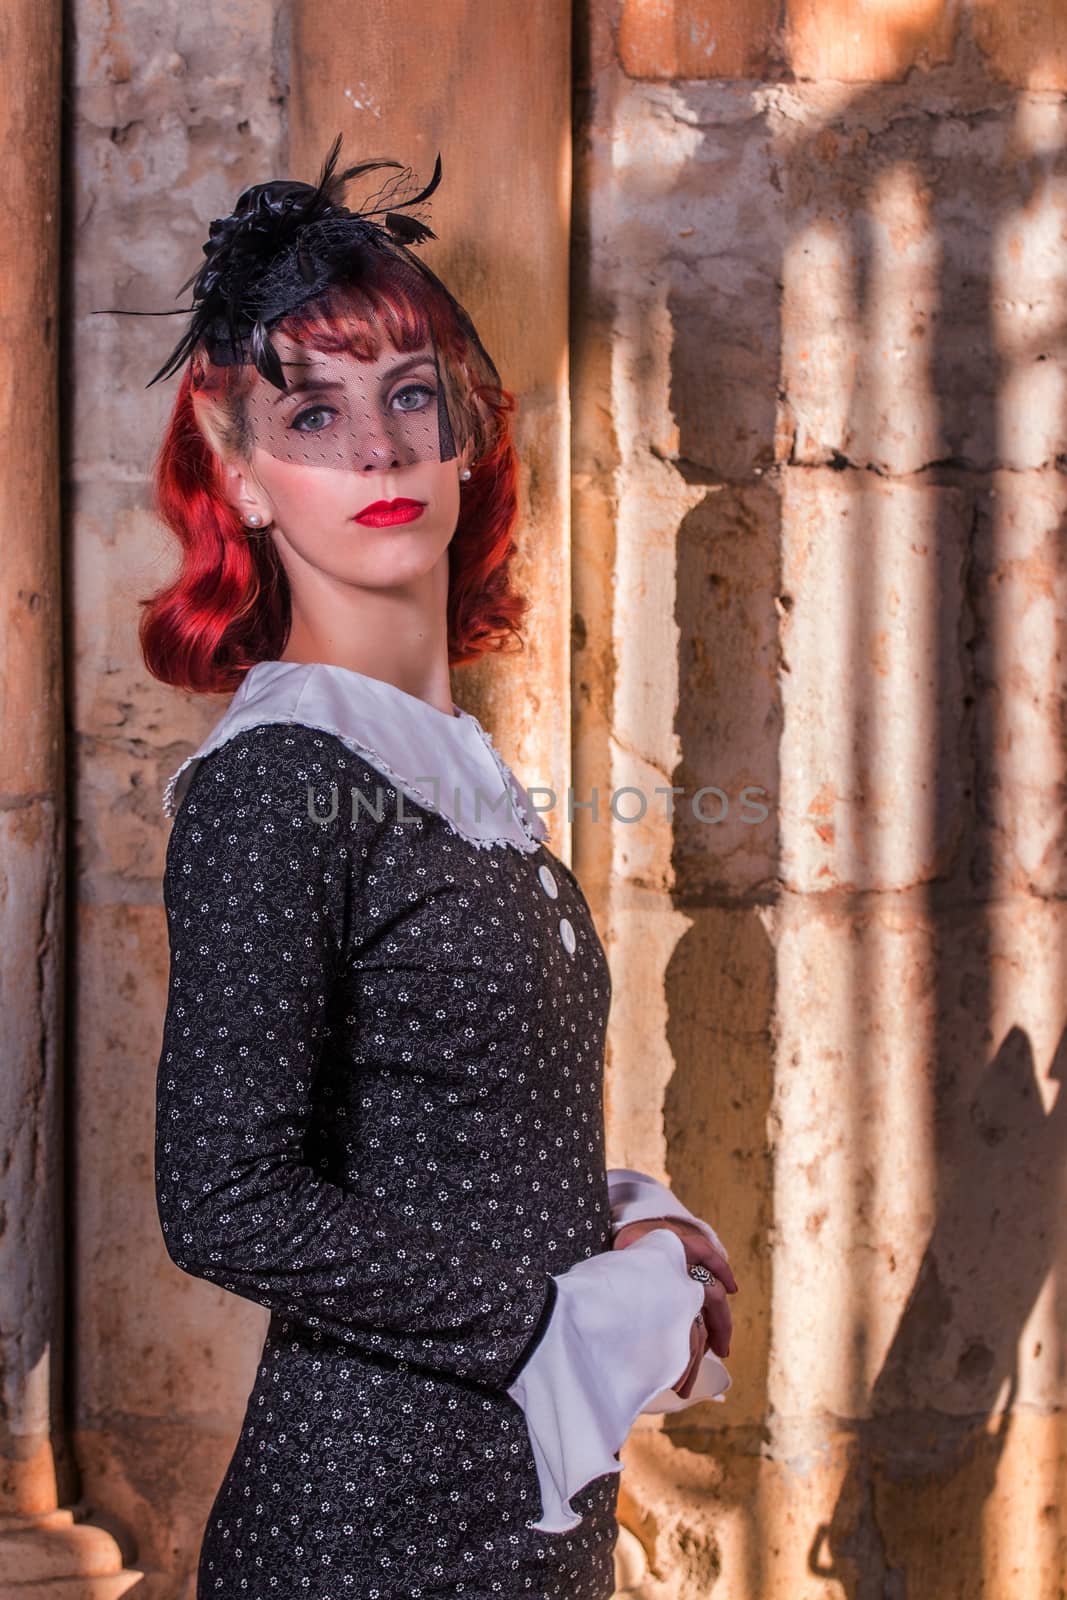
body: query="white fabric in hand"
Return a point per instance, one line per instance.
(618, 1334)
(616, 1341)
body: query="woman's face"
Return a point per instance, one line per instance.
(349, 434)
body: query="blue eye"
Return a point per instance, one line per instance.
(421, 393)
(311, 411)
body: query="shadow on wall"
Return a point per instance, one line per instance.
(998, 1224)
(925, 1438)
(910, 1517)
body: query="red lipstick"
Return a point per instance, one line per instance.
(385, 513)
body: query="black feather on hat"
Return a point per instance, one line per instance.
(282, 244)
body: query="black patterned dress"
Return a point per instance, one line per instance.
(379, 1114)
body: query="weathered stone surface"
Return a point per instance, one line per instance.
(1019, 596)
(840, 1517)
(696, 286)
(923, 281)
(846, 1044)
(696, 38)
(918, 1135)
(172, 112)
(872, 769)
(864, 41)
(156, 1474)
(843, 41)
(720, 983)
(726, 559)
(1022, 42)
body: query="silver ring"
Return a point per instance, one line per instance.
(703, 1275)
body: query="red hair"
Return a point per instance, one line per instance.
(228, 607)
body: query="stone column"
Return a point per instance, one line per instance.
(487, 83)
(42, 1547)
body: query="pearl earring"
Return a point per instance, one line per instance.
(254, 520)
(466, 474)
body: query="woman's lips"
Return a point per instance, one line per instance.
(384, 515)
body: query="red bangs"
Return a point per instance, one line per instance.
(357, 317)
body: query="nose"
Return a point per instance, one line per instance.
(377, 447)
(382, 441)
(377, 453)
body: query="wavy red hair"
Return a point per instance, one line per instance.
(228, 606)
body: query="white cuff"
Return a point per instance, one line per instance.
(617, 1338)
(635, 1197)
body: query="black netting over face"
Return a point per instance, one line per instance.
(352, 414)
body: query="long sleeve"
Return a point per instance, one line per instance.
(616, 1340)
(260, 908)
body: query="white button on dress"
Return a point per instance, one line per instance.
(566, 933)
(548, 882)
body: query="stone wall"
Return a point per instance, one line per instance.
(173, 110)
(818, 499)
(819, 474)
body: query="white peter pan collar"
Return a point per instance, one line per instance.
(406, 739)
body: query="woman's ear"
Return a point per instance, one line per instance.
(245, 495)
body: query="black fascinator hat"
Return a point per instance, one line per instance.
(283, 244)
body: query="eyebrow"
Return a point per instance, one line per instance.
(312, 384)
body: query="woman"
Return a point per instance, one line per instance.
(379, 1098)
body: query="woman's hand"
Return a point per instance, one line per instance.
(715, 1324)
